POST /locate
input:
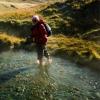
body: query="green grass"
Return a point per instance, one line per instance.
(9, 38)
(91, 32)
(71, 46)
(63, 44)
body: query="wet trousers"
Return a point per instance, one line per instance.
(42, 51)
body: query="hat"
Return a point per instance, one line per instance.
(35, 18)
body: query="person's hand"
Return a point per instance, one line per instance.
(33, 40)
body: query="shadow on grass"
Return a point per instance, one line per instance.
(11, 74)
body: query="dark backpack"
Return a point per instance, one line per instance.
(48, 29)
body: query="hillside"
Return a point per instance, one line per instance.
(69, 18)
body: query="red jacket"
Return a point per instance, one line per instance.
(39, 33)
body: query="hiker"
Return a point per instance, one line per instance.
(39, 35)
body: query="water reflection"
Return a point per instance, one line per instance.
(44, 83)
(43, 76)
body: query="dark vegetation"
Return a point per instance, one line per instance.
(15, 27)
(74, 17)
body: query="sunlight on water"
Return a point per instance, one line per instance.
(21, 77)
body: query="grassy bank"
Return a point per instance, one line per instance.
(77, 50)
(73, 45)
(83, 52)
(63, 44)
(9, 38)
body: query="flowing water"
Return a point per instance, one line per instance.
(22, 79)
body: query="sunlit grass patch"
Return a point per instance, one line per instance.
(19, 14)
(10, 38)
(22, 13)
(73, 45)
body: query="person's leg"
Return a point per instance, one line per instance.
(39, 53)
(46, 54)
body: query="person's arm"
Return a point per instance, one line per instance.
(32, 32)
(30, 37)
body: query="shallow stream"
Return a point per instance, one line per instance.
(22, 79)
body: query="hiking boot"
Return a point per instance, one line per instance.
(41, 62)
(49, 60)
(38, 62)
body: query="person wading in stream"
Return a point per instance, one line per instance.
(39, 35)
